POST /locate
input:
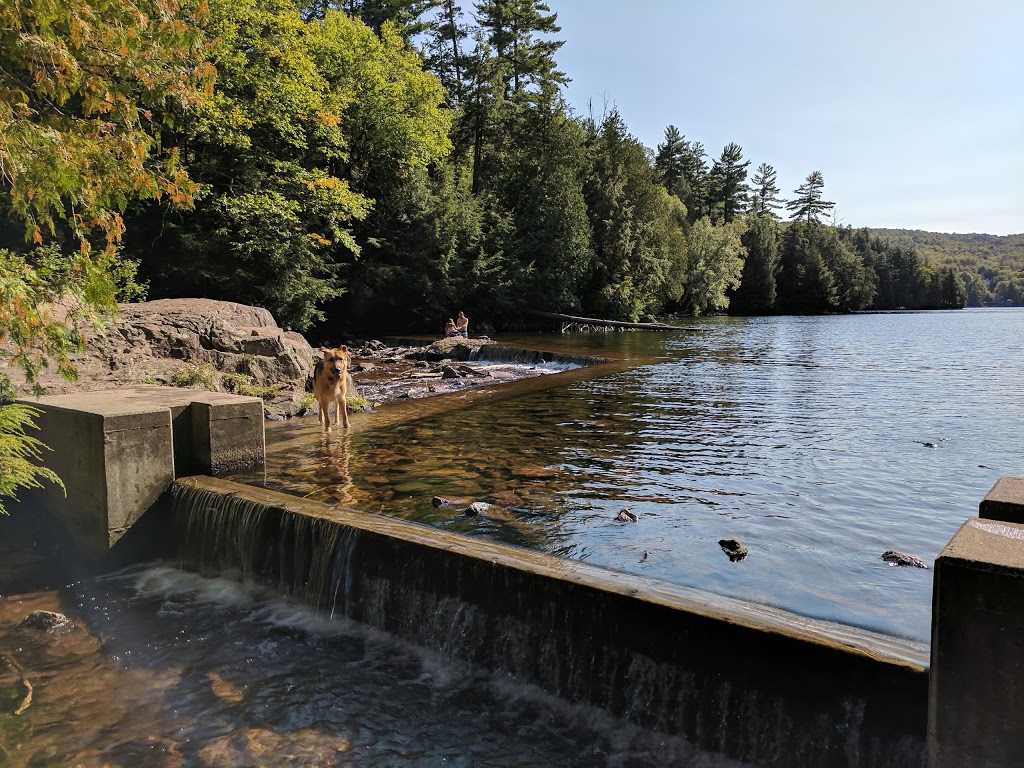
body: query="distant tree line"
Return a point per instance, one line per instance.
(991, 266)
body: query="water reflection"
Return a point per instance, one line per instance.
(802, 438)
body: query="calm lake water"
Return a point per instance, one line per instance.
(817, 442)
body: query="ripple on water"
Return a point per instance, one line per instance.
(802, 437)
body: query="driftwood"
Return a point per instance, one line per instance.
(571, 322)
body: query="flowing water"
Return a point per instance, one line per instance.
(817, 442)
(168, 668)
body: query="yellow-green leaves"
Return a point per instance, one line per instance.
(81, 85)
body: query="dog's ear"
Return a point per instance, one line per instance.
(325, 351)
(344, 348)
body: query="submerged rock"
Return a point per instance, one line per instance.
(625, 516)
(477, 508)
(895, 557)
(440, 501)
(733, 549)
(47, 621)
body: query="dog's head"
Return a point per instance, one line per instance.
(336, 361)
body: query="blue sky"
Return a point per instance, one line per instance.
(913, 110)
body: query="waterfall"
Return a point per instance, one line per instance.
(742, 680)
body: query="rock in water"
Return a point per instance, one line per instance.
(477, 508)
(47, 621)
(895, 557)
(733, 549)
(626, 516)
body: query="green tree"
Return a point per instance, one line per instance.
(309, 115)
(807, 205)
(728, 182)
(517, 31)
(631, 220)
(88, 95)
(697, 181)
(445, 48)
(764, 197)
(756, 292)
(670, 161)
(714, 260)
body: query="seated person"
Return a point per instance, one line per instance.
(462, 325)
(450, 329)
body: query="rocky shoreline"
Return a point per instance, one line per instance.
(229, 347)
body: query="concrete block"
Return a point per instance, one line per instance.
(117, 450)
(114, 459)
(227, 434)
(976, 690)
(1005, 501)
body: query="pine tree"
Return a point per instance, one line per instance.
(808, 205)
(444, 48)
(764, 197)
(671, 161)
(513, 29)
(728, 182)
(695, 175)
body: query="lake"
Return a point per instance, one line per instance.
(816, 442)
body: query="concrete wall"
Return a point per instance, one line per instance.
(754, 683)
(976, 695)
(118, 450)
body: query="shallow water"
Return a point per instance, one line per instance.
(817, 442)
(168, 668)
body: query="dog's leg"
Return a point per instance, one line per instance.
(325, 416)
(343, 405)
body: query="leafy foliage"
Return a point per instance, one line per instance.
(87, 89)
(19, 451)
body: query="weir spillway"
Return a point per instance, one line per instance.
(759, 685)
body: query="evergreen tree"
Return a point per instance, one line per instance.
(756, 292)
(807, 205)
(695, 176)
(444, 48)
(513, 29)
(954, 292)
(671, 161)
(631, 219)
(728, 182)
(764, 196)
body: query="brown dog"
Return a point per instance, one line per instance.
(330, 385)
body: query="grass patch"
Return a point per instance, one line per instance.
(357, 404)
(307, 402)
(194, 377)
(242, 384)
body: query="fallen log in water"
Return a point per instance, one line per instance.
(570, 322)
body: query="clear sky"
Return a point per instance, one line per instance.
(913, 110)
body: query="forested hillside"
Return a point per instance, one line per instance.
(991, 266)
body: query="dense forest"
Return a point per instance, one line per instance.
(388, 161)
(991, 266)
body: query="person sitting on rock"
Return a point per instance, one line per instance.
(450, 329)
(462, 325)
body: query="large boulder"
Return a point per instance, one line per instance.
(228, 335)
